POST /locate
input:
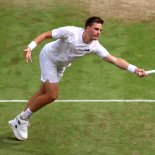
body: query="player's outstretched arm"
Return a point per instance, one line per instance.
(121, 63)
(34, 43)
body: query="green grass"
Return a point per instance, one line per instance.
(77, 128)
(84, 129)
(133, 42)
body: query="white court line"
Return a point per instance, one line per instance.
(112, 100)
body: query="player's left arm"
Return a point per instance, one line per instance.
(34, 43)
(123, 64)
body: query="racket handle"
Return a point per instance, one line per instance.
(150, 72)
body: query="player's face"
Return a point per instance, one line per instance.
(95, 31)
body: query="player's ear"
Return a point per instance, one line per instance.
(88, 27)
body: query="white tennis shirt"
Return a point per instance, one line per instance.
(69, 45)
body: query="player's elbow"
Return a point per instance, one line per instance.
(46, 35)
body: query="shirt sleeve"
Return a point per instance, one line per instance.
(60, 33)
(100, 50)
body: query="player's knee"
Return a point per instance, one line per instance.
(51, 97)
(51, 91)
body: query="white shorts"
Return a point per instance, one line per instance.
(49, 70)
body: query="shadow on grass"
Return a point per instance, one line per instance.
(9, 145)
(8, 141)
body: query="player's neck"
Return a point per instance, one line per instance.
(86, 39)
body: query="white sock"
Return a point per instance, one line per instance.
(25, 115)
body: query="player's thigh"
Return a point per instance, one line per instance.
(42, 89)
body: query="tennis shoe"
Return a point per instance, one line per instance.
(19, 128)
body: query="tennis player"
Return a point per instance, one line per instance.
(70, 44)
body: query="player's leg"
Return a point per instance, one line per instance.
(20, 124)
(50, 95)
(41, 91)
(39, 100)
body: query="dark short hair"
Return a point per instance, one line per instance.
(90, 21)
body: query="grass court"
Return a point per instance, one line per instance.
(77, 128)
